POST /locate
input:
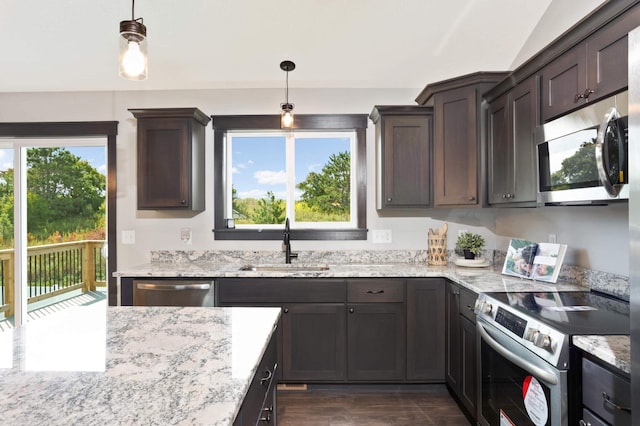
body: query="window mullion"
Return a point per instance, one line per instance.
(291, 177)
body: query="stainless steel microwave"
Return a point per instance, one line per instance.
(582, 156)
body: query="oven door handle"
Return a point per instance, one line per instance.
(539, 372)
(611, 115)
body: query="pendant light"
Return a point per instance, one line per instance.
(133, 48)
(286, 118)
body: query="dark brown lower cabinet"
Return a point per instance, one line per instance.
(314, 342)
(425, 330)
(376, 343)
(460, 346)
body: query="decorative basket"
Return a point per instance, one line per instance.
(438, 254)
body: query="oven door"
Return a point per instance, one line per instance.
(515, 386)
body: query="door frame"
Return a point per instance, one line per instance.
(107, 129)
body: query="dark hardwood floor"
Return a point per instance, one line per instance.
(371, 406)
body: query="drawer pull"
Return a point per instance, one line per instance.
(267, 378)
(607, 400)
(470, 308)
(375, 291)
(266, 419)
(583, 423)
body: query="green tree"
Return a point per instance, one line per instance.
(330, 190)
(65, 193)
(269, 210)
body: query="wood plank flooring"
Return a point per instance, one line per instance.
(347, 406)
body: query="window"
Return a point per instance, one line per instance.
(314, 175)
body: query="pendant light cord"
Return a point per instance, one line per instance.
(133, 5)
(286, 92)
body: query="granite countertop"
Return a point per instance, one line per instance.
(614, 350)
(133, 365)
(478, 280)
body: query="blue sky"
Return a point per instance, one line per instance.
(259, 162)
(95, 155)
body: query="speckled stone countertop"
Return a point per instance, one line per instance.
(614, 350)
(476, 279)
(132, 365)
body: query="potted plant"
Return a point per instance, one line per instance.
(469, 244)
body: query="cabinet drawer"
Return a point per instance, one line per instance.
(375, 290)
(467, 304)
(601, 389)
(591, 419)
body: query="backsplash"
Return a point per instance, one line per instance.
(604, 282)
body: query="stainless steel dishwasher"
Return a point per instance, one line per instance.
(173, 292)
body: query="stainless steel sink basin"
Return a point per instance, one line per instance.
(285, 268)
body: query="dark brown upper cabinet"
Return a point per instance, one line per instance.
(171, 160)
(593, 69)
(512, 120)
(458, 138)
(403, 156)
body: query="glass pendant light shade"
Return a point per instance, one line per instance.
(133, 50)
(286, 118)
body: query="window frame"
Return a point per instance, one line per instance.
(328, 122)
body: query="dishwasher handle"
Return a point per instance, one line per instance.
(173, 287)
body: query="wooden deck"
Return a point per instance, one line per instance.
(43, 309)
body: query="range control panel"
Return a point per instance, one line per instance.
(546, 342)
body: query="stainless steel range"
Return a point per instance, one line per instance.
(527, 374)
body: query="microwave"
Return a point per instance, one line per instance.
(583, 156)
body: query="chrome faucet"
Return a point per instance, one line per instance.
(286, 243)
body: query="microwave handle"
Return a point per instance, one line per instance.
(611, 115)
(540, 373)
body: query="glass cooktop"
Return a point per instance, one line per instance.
(572, 313)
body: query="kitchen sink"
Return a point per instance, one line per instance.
(285, 268)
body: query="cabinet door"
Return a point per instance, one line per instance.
(376, 341)
(607, 56)
(425, 330)
(452, 338)
(468, 384)
(314, 342)
(405, 164)
(164, 163)
(501, 153)
(523, 106)
(455, 148)
(563, 81)
(512, 122)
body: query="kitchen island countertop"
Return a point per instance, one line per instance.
(613, 350)
(132, 365)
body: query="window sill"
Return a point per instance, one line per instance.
(296, 234)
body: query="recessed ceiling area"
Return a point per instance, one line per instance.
(72, 45)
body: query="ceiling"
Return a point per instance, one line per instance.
(72, 45)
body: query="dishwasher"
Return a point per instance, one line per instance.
(173, 292)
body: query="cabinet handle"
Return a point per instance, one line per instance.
(583, 423)
(472, 198)
(183, 202)
(607, 400)
(351, 310)
(470, 308)
(578, 97)
(267, 378)
(286, 310)
(389, 199)
(587, 93)
(266, 419)
(375, 291)
(455, 292)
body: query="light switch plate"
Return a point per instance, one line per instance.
(381, 236)
(128, 237)
(185, 235)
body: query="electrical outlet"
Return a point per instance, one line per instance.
(185, 235)
(381, 236)
(128, 237)
(552, 238)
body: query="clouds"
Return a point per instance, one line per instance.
(271, 177)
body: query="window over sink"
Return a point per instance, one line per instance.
(314, 174)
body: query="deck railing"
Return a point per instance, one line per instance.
(54, 269)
